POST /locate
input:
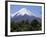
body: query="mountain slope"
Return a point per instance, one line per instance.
(24, 14)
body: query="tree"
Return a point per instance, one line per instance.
(25, 26)
(35, 24)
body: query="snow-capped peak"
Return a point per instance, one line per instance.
(22, 12)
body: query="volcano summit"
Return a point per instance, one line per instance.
(24, 14)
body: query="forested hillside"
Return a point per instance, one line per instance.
(25, 26)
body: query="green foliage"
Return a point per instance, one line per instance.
(36, 25)
(25, 26)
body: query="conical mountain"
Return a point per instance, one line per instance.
(22, 12)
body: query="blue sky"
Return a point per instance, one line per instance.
(37, 10)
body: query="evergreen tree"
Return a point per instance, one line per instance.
(25, 26)
(35, 24)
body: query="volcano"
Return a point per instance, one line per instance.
(24, 14)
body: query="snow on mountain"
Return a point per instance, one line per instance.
(22, 12)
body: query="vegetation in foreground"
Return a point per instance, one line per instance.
(25, 26)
